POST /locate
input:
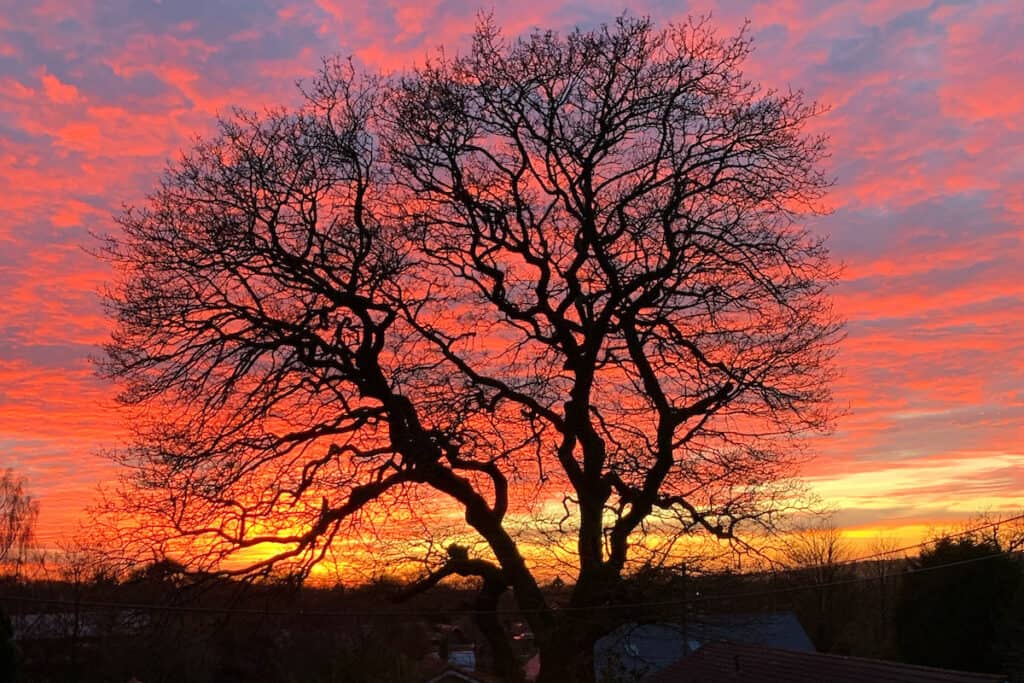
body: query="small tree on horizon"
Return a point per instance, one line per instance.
(560, 283)
(18, 514)
(818, 554)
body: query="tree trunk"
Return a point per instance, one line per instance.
(568, 658)
(505, 663)
(567, 652)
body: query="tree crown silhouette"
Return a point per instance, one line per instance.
(561, 273)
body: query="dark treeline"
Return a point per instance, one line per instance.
(959, 604)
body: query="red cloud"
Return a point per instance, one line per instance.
(927, 108)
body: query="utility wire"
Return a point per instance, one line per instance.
(886, 553)
(922, 544)
(197, 609)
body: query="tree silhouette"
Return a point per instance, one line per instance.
(560, 273)
(819, 554)
(958, 616)
(18, 513)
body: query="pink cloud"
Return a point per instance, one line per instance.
(926, 111)
(61, 93)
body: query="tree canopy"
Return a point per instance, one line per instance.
(967, 615)
(562, 283)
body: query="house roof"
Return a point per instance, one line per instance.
(637, 649)
(769, 629)
(437, 671)
(725, 662)
(454, 675)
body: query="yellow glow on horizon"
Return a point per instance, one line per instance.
(977, 477)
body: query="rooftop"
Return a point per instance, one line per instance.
(726, 662)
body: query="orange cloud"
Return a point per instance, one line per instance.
(929, 208)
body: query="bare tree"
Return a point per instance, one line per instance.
(820, 555)
(18, 513)
(1004, 531)
(561, 283)
(889, 561)
(818, 546)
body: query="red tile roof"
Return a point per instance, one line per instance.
(722, 662)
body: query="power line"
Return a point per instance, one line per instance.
(198, 609)
(885, 553)
(922, 544)
(636, 605)
(846, 582)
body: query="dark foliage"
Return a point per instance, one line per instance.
(959, 617)
(235, 631)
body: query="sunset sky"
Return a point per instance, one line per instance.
(927, 130)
